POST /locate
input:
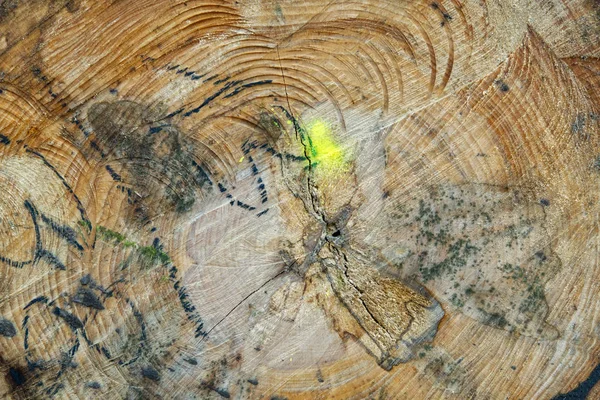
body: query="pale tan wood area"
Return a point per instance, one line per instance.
(299, 199)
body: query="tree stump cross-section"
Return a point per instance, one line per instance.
(276, 199)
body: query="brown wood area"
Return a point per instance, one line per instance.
(299, 199)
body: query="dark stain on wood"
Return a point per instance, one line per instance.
(87, 298)
(156, 162)
(583, 389)
(7, 328)
(502, 85)
(16, 377)
(151, 373)
(93, 385)
(71, 320)
(7, 7)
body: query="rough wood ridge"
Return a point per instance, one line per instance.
(282, 199)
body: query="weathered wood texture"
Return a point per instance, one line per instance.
(299, 199)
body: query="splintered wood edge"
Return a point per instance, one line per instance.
(298, 200)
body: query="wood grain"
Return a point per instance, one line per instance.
(299, 199)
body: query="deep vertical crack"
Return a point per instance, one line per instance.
(321, 216)
(300, 135)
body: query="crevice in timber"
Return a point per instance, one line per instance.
(344, 269)
(244, 300)
(362, 302)
(320, 214)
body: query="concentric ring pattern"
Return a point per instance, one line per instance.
(298, 199)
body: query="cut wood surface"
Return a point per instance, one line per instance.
(299, 199)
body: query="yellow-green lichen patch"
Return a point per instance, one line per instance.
(151, 253)
(322, 149)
